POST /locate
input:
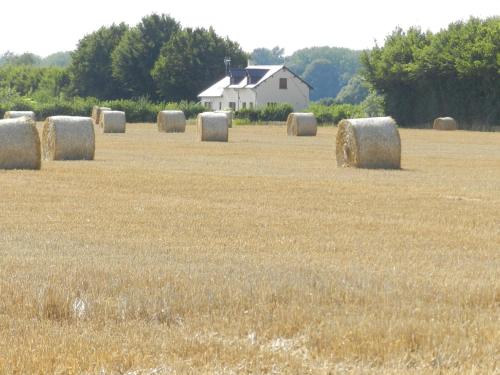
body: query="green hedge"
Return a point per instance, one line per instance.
(332, 114)
(278, 112)
(140, 110)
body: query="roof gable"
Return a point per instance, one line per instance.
(250, 77)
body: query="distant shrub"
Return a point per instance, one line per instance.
(335, 113)
(278, 112)
(140, 110)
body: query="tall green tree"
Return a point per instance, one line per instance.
(91, 66)
(325, 77)
(137, 52)
(327, 69)
(452, 73)
(27, 58)
(193, 60)
(354, 92)
(60, 59)
(265, 56)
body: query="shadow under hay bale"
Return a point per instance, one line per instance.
(19, 144)
(113, 121)
(229, 115)
(96, 113)
(212, 127)
(171, 122)
(445, 123)
(68, 138)
(17, 114)
(301, 124)
(368, 143)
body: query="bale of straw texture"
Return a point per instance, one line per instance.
(301, 124)
(368, 143)
(96, 112)
(16, 114)
(68, 138)
(19, 144)
(113, 121)
(171, 122)
(229, 115)
(445, 123)
(212, 127)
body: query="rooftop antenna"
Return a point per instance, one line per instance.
(227, 62)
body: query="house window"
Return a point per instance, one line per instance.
(244, 105)
(251, 105)
(271, 104)
(232, 105)
(283, 84)
(207, 104)
(220, 106)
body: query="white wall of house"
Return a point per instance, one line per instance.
(240, 97)
(296, 93)
(211, 103)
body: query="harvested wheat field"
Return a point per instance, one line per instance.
(165, 255)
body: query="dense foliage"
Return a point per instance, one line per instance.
(415, 76)
(277, 112)
(140, 110)
(354, 92)
(91, 68)
(135, 55)
(191, 61)
(455, 72)
(265, 56)
(59, 59)
(327, 69)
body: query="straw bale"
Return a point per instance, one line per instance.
(112, 121)
(68, 138)
(445, 123)
(171, 122)
(301, 124)
(212, 126)
(229, 115)
(19, 144)
(96, 113)
(16, 114)
(368, 143)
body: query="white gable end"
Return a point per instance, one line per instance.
(257, 86)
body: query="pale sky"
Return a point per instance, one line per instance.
(48, 26)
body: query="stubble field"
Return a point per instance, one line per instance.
(166, 255)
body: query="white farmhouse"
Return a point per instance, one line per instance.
(257, 86)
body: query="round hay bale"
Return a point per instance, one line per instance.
(112, 121)
(171, 122)
(212, 127)
(445, 123)
(19, 144)
(96, 113)
(68, 138)
(229, 115)
(17, 114)
(368, 143)
(301, 124)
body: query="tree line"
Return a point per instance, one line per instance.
(415, 76)
(327, 69)
(455, 72)
(156, 59)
